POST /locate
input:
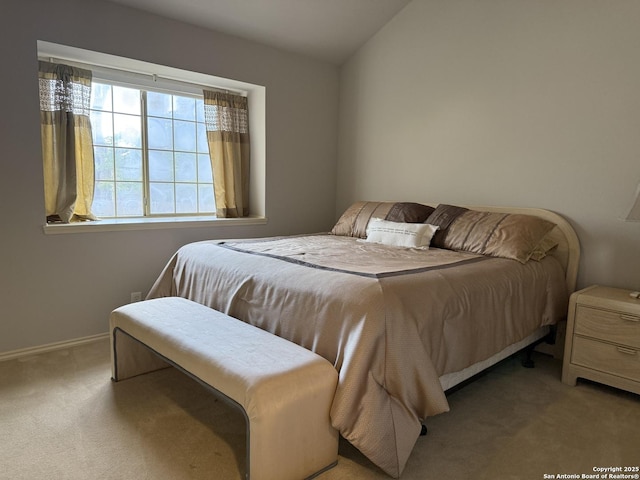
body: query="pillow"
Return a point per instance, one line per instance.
(505, 235)
(354, 221)
(443, 216)
(409, 212)
(410, 235)
(546, 245)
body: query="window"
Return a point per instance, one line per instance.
(151, 154)
(150, 151)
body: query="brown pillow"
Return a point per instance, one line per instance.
(409, 212)
(442, 217)
(354, 221)
(506, 235)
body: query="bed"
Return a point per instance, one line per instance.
(402, 321)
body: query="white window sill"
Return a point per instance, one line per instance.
(112, 225)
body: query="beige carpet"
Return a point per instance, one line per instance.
(62, 418)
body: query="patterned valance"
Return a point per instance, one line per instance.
(64, 88)
(224, 112)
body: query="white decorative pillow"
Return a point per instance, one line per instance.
(410, 235)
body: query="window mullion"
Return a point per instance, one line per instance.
(145, 155)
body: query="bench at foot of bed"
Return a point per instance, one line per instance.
(284, 390)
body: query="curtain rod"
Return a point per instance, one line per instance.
(153, 76)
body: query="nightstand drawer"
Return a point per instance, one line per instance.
(613, 359)
(616, 327)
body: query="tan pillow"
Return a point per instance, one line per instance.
(516, 236)
(355, 219)
(546, 246)
(443, 216)
(506, 235)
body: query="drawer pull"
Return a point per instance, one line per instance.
(627, 351)
(629, 318)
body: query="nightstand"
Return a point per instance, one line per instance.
(603, 338)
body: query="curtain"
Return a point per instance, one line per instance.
(227, 123)
(67, 146)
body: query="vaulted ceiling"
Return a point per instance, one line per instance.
(329, 30)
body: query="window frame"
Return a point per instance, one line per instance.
(146, 150)
(138, 74)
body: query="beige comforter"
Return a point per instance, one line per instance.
(391, 320)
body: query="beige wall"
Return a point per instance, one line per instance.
(505, 102)
(60, 287)
(511, 102)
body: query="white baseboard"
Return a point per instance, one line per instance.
(24, 352)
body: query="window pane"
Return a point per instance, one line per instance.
(184, 108)
(184, 136)
(102, 128)
(186, 167)
(204, 169)
(159, 104)
(205, 198)
(104, 204)
(101, 97)
(162, 199)
(200, 110)
(127, 131)
(201, 133)
(186, 198)
(126, 100)
(129, 199)
(160, 166)
(160, 133)
(104, 163)
(128, 164)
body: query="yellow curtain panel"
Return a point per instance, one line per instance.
(67, 145)
(227, 124)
